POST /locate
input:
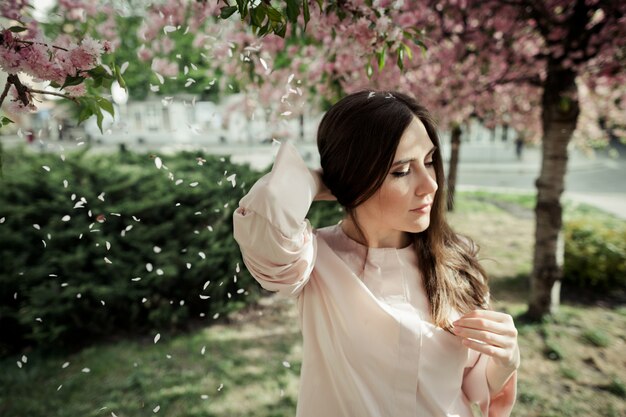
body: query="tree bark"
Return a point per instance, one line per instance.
(560, 109)
(455, 146)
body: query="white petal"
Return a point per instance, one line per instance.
(157, 337)
(158, 162)
(66, 218)
(47, 168)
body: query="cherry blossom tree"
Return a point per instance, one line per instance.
(520, 63)
(71, 67)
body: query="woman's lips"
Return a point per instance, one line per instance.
(425, 208)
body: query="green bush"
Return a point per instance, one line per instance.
(595, 253)
(67, 281)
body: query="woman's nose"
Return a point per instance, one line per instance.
(426, 183)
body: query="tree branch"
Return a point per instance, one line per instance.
(5, 92)
(52, 93)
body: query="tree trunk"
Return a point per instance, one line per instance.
(505, 133)
(559, 115)
(455, 145)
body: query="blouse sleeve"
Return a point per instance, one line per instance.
(476, 389)
(276, 240)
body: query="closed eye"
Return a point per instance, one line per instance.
(401, 173)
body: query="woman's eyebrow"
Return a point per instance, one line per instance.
(406, 161)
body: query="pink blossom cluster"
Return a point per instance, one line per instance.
(44, 60)
(12, 9)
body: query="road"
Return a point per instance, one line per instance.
(599, 181)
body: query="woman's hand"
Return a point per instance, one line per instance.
(491, 333)
(323, 193)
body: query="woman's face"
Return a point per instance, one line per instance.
(403, 202)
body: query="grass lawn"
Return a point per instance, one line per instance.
(572, 364)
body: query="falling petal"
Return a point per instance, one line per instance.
(143, 300)
(65, 365)
(203, 350)
(156, 249)
(135, 279)
(204, 397)
(101, 197)
(286, 113)
(286, 364)
(124, 67)
(66, 218)
(157, 337)
(168, 29)
(178, 182)
(237, 269)
(24, 358)
(160, 77)
(158, 162)
(188, 265)
(154, 88)
(232, 180)
(206, 284)
(202, 255)
(102, 302)
(19, 364)
(107, 260)
(263, 63)
(204, 297)
(108, 245)
(159, 271)
(101, 218)
(47, 168)
(216, 315)
(59, 387)
(149, 267)
(220, 387)
(36, 226)
(86, 370)
(240, 291)
(290, 79)
(2, 220)
(193, 184)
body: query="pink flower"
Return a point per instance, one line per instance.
(76, 90)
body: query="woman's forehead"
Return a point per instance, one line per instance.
(415, 142)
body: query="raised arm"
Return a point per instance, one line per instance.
(276, 240)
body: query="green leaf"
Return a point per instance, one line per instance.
(17, 29)
(69, 81)
(273, 14)
(281, 30)
(400, 59)
(381, 59)
(306, 12)
(5, 121)
(227, 11)
(106, 105)
(257, 16)
(293, 10)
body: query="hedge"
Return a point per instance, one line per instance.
(595, 254)
(143, 249)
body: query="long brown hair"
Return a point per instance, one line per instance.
(357, 140)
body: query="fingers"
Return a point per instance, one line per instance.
(487, 337)
(489, 332)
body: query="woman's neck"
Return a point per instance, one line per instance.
(391, 239)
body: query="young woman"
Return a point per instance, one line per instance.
(393, 304)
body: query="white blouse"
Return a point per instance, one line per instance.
(370, 348)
